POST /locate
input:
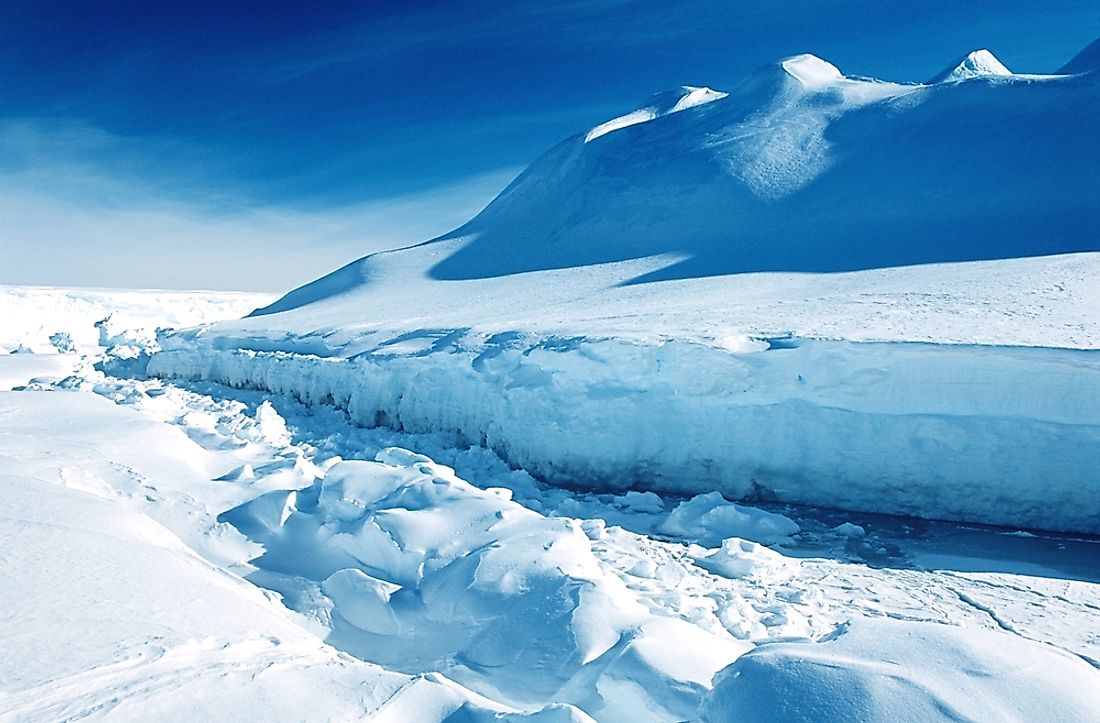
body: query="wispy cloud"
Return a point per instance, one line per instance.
(575, 24)
(73, 213)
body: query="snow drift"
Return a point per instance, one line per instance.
(892, 670)
(806, 341)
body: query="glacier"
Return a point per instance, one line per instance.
(815, 289)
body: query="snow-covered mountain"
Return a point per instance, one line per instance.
(801, 168)
(815, 288)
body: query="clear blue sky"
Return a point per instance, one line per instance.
(256, 145)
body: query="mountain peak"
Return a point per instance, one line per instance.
(1084, 62)
(975, 64)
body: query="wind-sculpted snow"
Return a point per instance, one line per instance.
(672, 101)
(109, 614)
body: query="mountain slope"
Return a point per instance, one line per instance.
(803, 169)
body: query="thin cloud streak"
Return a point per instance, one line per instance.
(68, 220)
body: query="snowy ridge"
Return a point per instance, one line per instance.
(673, 305)
(800, 168)
(659, 105)
(811, 72)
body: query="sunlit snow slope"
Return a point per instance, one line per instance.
(815, 288)
(801, 168)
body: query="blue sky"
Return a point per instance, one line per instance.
(257, 145)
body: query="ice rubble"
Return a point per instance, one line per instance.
(427, 572)
(587, 326)
(34, 314)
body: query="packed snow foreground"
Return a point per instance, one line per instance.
(176, 551)
(501, 475)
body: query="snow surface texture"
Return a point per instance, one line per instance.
(909, 672)
(910, 389)
(484, 594)
(109, 614)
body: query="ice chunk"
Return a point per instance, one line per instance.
(710, 518)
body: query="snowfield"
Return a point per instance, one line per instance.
(714, 414)
(180, 550)
(412, 589)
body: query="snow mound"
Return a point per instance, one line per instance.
(811, 71)
(975, 64)
(1087, 61)
(884, 669)
(662, 104)
(738, 558)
